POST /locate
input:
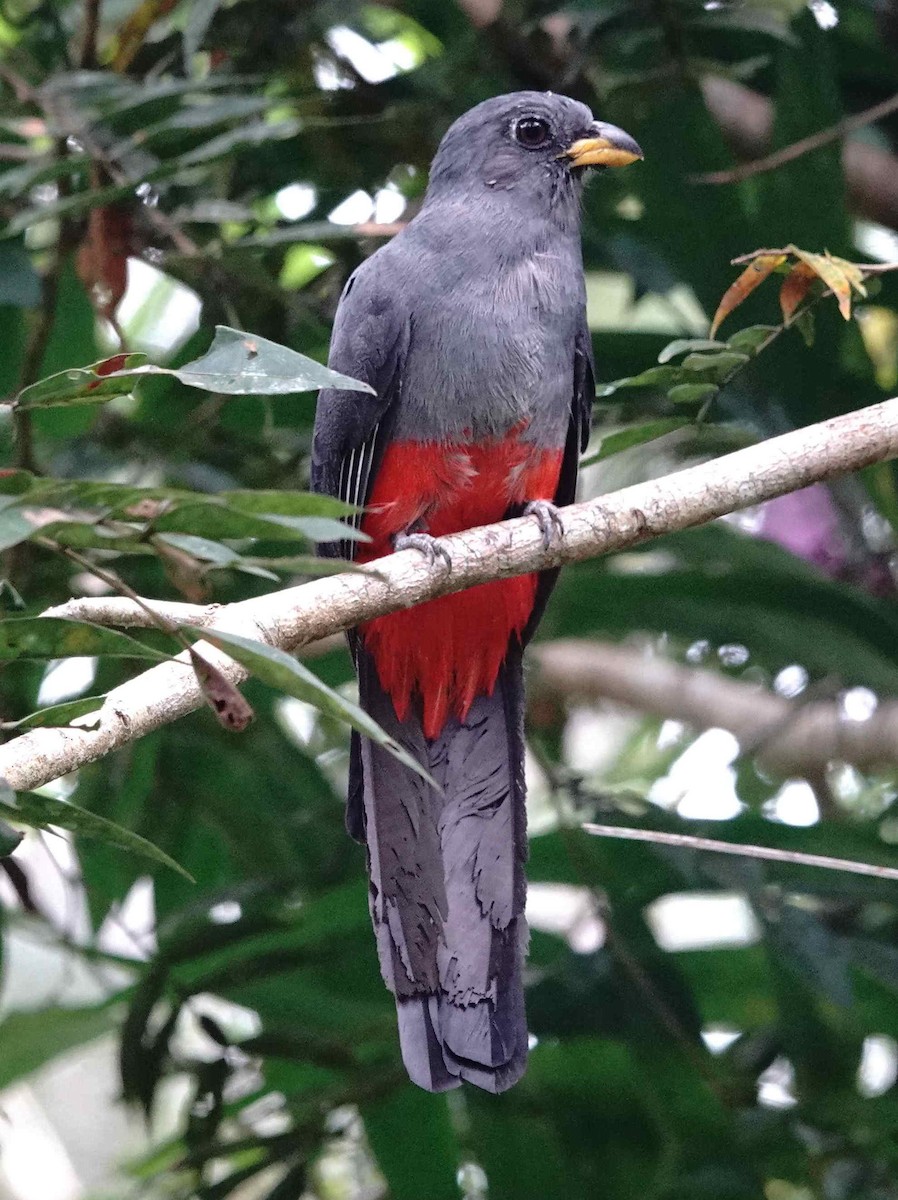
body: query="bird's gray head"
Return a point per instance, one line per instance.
(532, 145)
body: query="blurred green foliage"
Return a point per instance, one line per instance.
(210, 142)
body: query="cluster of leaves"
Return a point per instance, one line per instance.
(172, 141)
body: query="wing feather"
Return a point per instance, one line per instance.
(369, 343)
(577, 438)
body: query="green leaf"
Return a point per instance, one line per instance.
(719, 365)
(29, 1040)
(750, 339)
(20, 180)
(280, 670)
(194, 118)
(804, 323)
(633, 435)
(308, 564)
(15, 483)
(199, 18)
(253, 133)
(655, 377)
(9, 839)
(57, 637)
(752, 19)
(214, 521)
(28, 808)
(692, 393)
(200, 547)
(243, 364)
(688, 345)
(287, 504)
(15, 527)
(96, 384)
(60, 714)
(236, 364)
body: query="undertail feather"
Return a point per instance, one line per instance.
(447, 888)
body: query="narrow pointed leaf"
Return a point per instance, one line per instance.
(236, 364)
(633, 435)
(41, 812)
(61, 714)
(692, 393)
(753, 275)
(243, 364)
(95, 384)
(833, 275)
(752, 338)
(280, 670)
(57, 637)
(795, 287)
(688, 346)
(287, 504)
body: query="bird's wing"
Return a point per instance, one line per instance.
(369, 342)
(577, 438)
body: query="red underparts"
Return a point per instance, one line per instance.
(448, 651)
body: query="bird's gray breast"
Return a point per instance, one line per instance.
(492, 348)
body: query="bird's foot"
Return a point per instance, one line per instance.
(548, 518)
(424, 544)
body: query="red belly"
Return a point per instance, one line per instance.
(449, 650)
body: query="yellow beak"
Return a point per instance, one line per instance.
(607, 146)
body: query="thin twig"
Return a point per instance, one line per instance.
(18, 84)
(688, 841)
(155, 619)
(88, 55)
(804, 146)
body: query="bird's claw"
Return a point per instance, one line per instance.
(548, 518)
(424, 544)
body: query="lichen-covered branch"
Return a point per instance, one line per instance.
(296, 616)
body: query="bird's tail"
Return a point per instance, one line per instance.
(447, 886)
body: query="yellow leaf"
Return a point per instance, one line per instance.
(832, 274)
(852, 271)
(753, 275)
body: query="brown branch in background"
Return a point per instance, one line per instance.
(18, 84)
(87, 59)
(36, 348)
(746, 119)
(688, 841)
(745, 116)
(805, 145)
(481, 13)
(791, 738)
(14, 152)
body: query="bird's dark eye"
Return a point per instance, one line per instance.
(532, 132)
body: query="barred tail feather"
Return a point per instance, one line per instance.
(447, 887)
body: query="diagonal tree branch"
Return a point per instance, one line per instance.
(296, 616)
(746, 119)
(791, 737)
(815, 141)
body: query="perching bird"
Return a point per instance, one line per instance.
(470, 326)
